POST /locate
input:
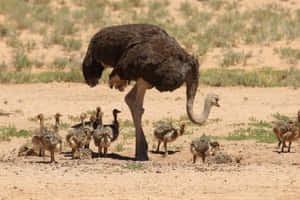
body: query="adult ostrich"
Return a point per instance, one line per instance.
(148, 55)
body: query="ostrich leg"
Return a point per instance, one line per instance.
(135, 100)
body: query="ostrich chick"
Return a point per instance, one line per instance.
(114, 127)
(29, 149)
(79, 138)
(290, 136)
(49, 140)
(200, 147)
(166, 133)
(102, 139)
(282, 127)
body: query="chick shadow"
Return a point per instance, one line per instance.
(66, 153)
(170, 152)
(280, 152)
(46, 162)
(112, 156)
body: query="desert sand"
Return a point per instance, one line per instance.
(263, 173)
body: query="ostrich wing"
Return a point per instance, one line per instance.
(162, 129)
(201, 145)
(50, 138)
(160, 61)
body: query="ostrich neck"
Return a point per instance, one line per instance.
(83, 123)
(116, 123)
(42, 126)
(99, 118)
(192, 85)
(56, 126)
(182, 130)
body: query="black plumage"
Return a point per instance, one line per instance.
(138, 51)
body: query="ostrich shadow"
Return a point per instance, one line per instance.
(170, 152)
(113, 156)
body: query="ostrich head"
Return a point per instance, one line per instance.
(98, 109)
(92, 118)
(182, 127)
(116, 111)
(106, 135)
(215, 147)
(212, 100)
(57, 116)
(40, 116)
(214, 144)
(83, 116)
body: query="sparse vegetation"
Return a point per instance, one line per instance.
(119, 147)
(258, 134)
(7, 132)
(231, 57)
(43, 77)
(215, 4)
(289, 54)
(126, 123)
(21, 60)
(279, 116)
(133, 166)
(265, 77)
(60, 62)
(72, 44)
(259, 131)
(129, 134)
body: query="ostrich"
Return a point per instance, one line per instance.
(81, 137)
(166, 133)
(47, 139)
(282, 127)
(114, 127)
(200, 147)
(148, 55)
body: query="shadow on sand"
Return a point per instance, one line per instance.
(170, 152)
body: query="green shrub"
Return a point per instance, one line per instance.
(7, 132)
(21, 60)
(290, 54)
(231, 57)
(60, 62)
(72, 44)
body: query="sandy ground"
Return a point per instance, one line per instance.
(261, 174)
